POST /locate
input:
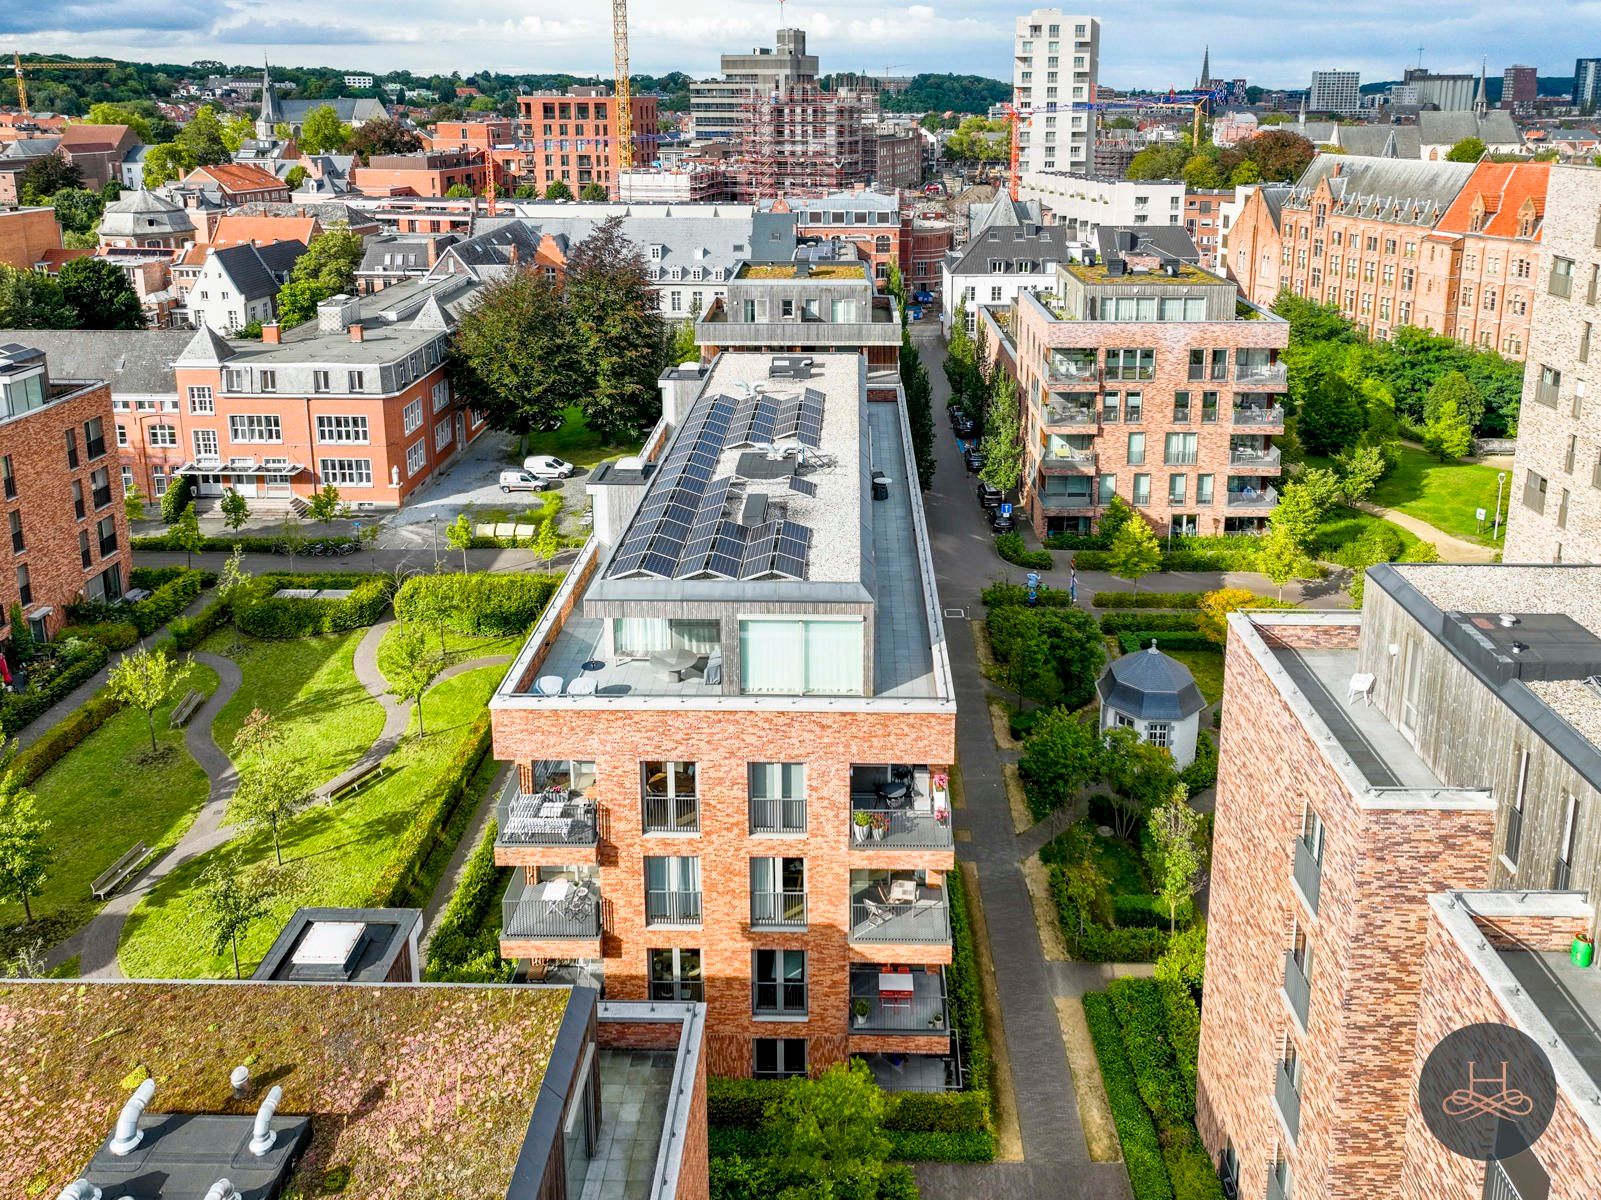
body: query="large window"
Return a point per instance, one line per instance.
(778, 982)
(252, 427)
(342, 429)
(675, 975)
(777, 891)
(348, 472)
(789, 657)
(411, 416)
(779, 1058)
(163, 435)
(672, 890)
(416, 458)
(205, 441)
(777, 797)
(670, 796)
(1181, 449)
(201, 401)
(1130, 364)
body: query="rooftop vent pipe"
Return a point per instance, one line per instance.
(79, 1189)
(222, 1190)
(261, 1137)
(239, 1080)
(128, 1134)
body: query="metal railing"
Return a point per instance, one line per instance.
(1271, 415)
(1547, 393)
(1082, 460)
(903, 1013)
(1069, 414)
(778, 815)
(1269, 458)
(1297, 988)
(924, 920)
(1560, 285)
(102, 496)
(1065, 503)
(550, 818)
(1258, 500)
(671, 908)
(1078, 372)
(1269, 373)
(95, 447)
(671, 814)
(1288, 1099)
(529, 911)
(108, 545)
(902, 828)
(1278, 1187)
(778, 908)
(1308, 873)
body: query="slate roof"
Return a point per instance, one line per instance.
(1495, 127)
(351, 110)
(1040, 244)
(1150, 686)
(257, 272)
(1164, 241)
(145, 213)
(133, 361)
(1379, 141)
(1003, 210)
(33, 147)
(1403, 191)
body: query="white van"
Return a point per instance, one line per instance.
(547, 466)
(521, 481)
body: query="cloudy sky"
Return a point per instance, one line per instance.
(1147, 43)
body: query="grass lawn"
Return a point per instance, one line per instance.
(1120, 863)
(535, 512)
(1207, 667)
(459, 647)
(331, 852)
(1345, 525)
(1445, 494)
(309, 687)
(99, 803)
(575, 442)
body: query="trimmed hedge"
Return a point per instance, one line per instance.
(465, 948)
(1077, 541)
(964, 992)
(1183, 1018)
(151, 578)
(1138, 910)
(1136, 1132)
(19, 710)
(1202, 773)
(1141, 639)
(1010, 547)
(476, 604)
(1009, 595)
(176, 500)
(166, 602)
(916, 1145)
(943, 1126)
(1121, 622)
(1178, 560)
(56, 742)
(251, 545)
(261, 614)
(1099, 943)
(172, 591)
(189, 632)
(112, 635)
(1142, 1017)
(938, 1112)
(1147, 599)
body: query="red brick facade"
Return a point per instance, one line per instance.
(572, 138)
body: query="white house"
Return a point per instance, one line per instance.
(1086, 202)
(239, 284)
(1008, 251)
(1155, 696)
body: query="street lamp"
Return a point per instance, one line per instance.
(1500, 479)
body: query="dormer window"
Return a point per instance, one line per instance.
(655, 253)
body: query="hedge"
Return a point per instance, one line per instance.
(1142, 1017)
(1202, 773)
(1099, 943)
(112, 635)
(150, 578)
(19, 710)
(1141, 639)
(1120, 622)
(741, 1104)
(261, 614)
(1010, 547)
(1179, 560)
(1139, 910)
(938, 1112)
(179, 495)
(166, 602)
(964, 991)
(1136, 1132)
(1007, 595)
(479, 603)
(1183, 1018)
(463, 949)
(1147, 599)
(189, 632)
(409, 850)
(915, 1145)
(1077, 541)
(250, 545)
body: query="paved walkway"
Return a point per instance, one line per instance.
(1451, 547)
(446, 887)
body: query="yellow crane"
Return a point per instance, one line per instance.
(623, 89)
(21, 68)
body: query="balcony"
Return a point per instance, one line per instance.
(1075, 369)
(1072, 415)
(1288, 1098)
(1269, 374)
(1267, 458)
(1068, 462)
(1060, 503)
(1259, 414)
(900, 910)
(671, 814)
(671, 908)
(102, 496)
(1308, 873)
(899, 829)
(782, 815)
(1297, 990)
(898, 1001)
(780, 909)
(1253, 499)
(551, 911)
(549, 818)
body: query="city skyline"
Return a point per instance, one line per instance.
(1264, 42)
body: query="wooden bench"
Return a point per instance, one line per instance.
(360, 776)
(185, 709)
(114, 877)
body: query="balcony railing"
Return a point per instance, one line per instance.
(1269, 458)
(1308, 873)
(894, 1010)
(672, 814)
(1069, 414)
(1063, 502)
(900, 828)
(924, 919)
(1547, 393)
(543, 911)
(108, 545)
(1057, 371)
(778, 908)
(1253, 500)
(1272, 414)
(102, 496)
(1288, 1099)
(1260, 373)
(1278, 1187)
(1297, 988)
(671, 908)
(95, 447)
(551, 818)
(1072, 461)
(1560, 285)
(783, 815)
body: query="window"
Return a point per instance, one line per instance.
(1136, 449)
(777, 797)
(348, 472)
(205, 442)
(811, 657)
(1561, 281)
(1203, 489)
(268, 381)
(163, 435)
(1534, 492)
(8, 477)
(72, 448)
(200, 401)
(106, 530)
(342, 429)
(84, 556)
(255, 428)
(1142, 490)
(778, 891)
(1562, 510)
(1157, 733)
(24, 585)
(779, 1058)
(1109, 407)
(672, 890)
(778, 982)
(78, 509)
(1177, 486)
(18, 543)
(356, 381)
(416, 458)
(1514, 816)
(94, 437)
(1181, 449)
(100, 487)
(1181, 408)
(1130, 364)
(1208, 408)
(1134, 407)
(442, 434)
(441, 394)
(319, 381)
(122, 434)
(411, 416)
(675, 975)
(670, 795)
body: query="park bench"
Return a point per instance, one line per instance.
(112, 878)
(352, 781)
(185, 709)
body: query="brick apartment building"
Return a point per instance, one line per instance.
(1378, 770)
(732, 729)
(1203, 221)
(571, 136)
(495, 138)
(27, 235)
(238, 183)
(882, 230)
(357, 398)
(429, 174)
(799, 140)
(64, 534)
(1554, 513)
(1145, 377)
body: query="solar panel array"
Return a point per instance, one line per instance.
(683, 530)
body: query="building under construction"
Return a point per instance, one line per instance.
(799, 140)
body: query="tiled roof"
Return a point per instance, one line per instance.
(1403, 191)
(1501, 192)
(237, 177)
(234, 229)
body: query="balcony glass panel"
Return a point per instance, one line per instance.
(551, 908)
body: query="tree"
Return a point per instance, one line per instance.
(1003, 436)
(826, 1135)
(46, 175)
(1245, 174)
(1162, 160)
(100, 294)
(592, 192)
(1448, 435)
(236, 131)
(235, 510)
(322, 132)
(547, 541)
(1279, 154)
(233, 575)
(1176, 858)
(1280, 556)
(459, 191)
(1215, 607)
(919, 409)
(78, 209)
(146, 679)
(133, 503)
(164, 162)
(105, 113)
(1360, 469)
(1201, 171)
(327, 268)
(272, 781)
(416, 664)
(1134, 552)
(558, 190)
(1330, 419)
(294, 177)
(25, 856)
(513, 355)
(618, 330)
(325, 505)
(201, 140)
(1063, 754)
(385, 136)
(232, 900)
(1454, 387)
(525, 191)
(1468, 150)
(185, 535)
(32, 300)
(1141, 776)
(459, 536)
(1020, 645)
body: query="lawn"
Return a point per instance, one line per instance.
(100, 803)
(1207, 667)
(308, 686)
(575, 442)
(1445, 495)
(1343, 526)
(459, 647)
(331, 852)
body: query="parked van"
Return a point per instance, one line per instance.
(521, 481)
(547, 466)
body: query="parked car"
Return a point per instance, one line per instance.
(988, 496)
(915, 313)
(1002, 522)
(922, 297)
(963, 425)
(548, 466)
(521, 481)
(974, 460)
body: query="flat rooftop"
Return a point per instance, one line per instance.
(1099, 274)
(829, 271)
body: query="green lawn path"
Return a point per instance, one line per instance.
(1444, 494)
(575, 442)
(331, 852)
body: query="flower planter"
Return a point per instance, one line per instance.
(1582, 952)
(859, 832)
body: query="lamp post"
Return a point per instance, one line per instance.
(1495, 530)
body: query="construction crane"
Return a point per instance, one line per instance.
(21, 68)
(623, 89)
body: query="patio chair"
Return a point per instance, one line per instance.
(877, 914)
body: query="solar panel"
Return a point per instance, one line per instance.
(805, 487)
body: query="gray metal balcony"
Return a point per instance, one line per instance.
(1071, 415)
(550, 911)
(780, 909)
(1269, 458)
(1263, 501)
(897, 828)
(880, 1001)
(1068, 372)
(671, 908)
(876, 917)
(1261, 374)
(1064, 502)
(1296, 988)
(1069, 462)
(671, 814)
(1288, 1100)
(551, 818)
(1271, 414)
(781, 815)
(1308, 873)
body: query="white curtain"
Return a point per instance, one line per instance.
(639, 637)
(834, 657)
(771, 657)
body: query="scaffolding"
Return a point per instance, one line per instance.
(799, 140)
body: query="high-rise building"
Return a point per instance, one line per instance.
(1554, 501)
(1335, 91)
(716, 106)
(1587, 83)
(1447, 93)
(570, 137)
(1519, 86)
(1055, 63)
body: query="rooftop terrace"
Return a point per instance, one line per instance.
(826, 271)
(1100, 273)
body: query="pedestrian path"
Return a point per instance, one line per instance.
(1451, 547)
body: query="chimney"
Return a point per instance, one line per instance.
(1335, 172)
(271, 335)
(511, 254)
(357, 333)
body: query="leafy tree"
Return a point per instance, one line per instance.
(1134, 552)
(618, 331)
(25, 856)
(294, 177)
(1330, 419)
(1141, 776)
(201, 140)
(78, 209)
(459, 191)
(513, 355)
(322, 132)
(46, 175)
(827, 1134)
(416, 664)
(185, 535)
(1161, 160)
(385, 136)
(979, 139)
(1003, 436)
(1245, 174)
(547, 541)
(1076, 647)
(1176, 856)
(145, 679)
(525, 191)
(1201, 171)
(459, 536)
(232, 900)
(1280, 556)
(100, 294)
(31, 300)
(1468, 150)
(164, 162)
(133, 503)
(1021, 646)
(327, 268)
(237, 130)
(592, 192)
(558, 190)
(1279, 154)
(1063, 754)
(235, 510)
(1360, 469)
(273, 787)
(919, 409)
(1215, 607)
(1454, 387)
(106, 113)
(1448, 434)
(325, 505)
(233, 575)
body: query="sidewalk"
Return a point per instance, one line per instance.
(1452, 548)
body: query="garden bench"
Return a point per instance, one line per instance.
(352, 781)
(185, 709)
(113, 878)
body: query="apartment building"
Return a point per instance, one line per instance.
(1335, 92)
(429, 173)
(1085, 203)
(1554, 513)
(27, 235)
(1519, 88)
(1055, 66)
(732, 731)
(571, 137)
(357, 398)
(1204, 215)
(882, 230)
(1587, 83)
(1144, 376)
(1000, 262)
(800, 140)
(64, 534)
(716, 105)
(1406, 844)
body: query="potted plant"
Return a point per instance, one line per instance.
(861, 820)
(861, 1007)
(937, 1021)
(1582, 952)
(880, 826)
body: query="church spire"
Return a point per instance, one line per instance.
(1481, 101)
(1205, 82)
(271, 115)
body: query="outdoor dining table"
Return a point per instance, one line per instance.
(674, 662)
(895, 989)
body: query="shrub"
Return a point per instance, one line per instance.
(175, 501)
(1010, 547)
(464, 947)
(938, 1112)
(1183, 1031)
(1141, 639)
(478, 603)
(166, 602)
(1143, 1020)
(1191, 1172)
(1119, 622)
(19, 710)
(261, 614)
(1137, 910)
(1077, 541)
(1011, 595)
(251, 545)
(189, 632)
(963, 990)
(1022, 724)
(739, 1103)
(150, 578)
(1142, 1149)
(1098, 942)
(113, 635)
(1147, 599)
(916, 1145)
(1202, 773)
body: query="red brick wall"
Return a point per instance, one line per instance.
(25, 234)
